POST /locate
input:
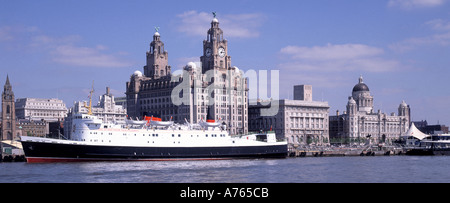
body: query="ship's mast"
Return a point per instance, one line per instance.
(90, 100)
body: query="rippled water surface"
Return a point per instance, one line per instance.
(296, 170)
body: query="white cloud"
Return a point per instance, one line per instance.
(11, 33)
(196, 23)
(64, 50)
(182, 61)
(330, 66)
(412, 4)
(337, 58)
(440, 38)
(86, 56)
(47, 41)
(331, 52)
(5, 34)
(439, 24)
(415, 42)
(289, 78)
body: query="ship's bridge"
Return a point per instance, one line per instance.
(87, 121)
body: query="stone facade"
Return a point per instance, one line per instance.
(9, 130)
(41, 109)
(157, 59)
(300, 122)
(209, 88)
(303, 92)
(359, 123)
(33, 128)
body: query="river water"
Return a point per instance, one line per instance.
(379, 169)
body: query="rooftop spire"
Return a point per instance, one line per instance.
(7, 89)
(7, 80)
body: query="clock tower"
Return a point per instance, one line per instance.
(8, 112)
(215, 49)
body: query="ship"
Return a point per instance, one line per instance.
(150, 139)
(419, 143)
(432, 145)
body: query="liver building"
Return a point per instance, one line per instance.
(359, 123)
(210, 89)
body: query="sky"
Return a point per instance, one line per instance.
(56, 49)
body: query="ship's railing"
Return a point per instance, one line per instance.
(260, 132)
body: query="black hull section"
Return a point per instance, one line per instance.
(444, 152)
(50, 152)
(429, 152)
(419, 152)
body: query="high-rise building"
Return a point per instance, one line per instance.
(209, 88)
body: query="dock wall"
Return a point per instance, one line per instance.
(345, 152)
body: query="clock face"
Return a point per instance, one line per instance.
(208, 52)
(221, 52)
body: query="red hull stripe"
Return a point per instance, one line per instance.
(57, 159)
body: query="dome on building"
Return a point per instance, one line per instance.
(360, 86)
(236, 69)
(156, 34)
(351, 101)
(191, 66)
(215, 20)
(403, 104)
(137, 73)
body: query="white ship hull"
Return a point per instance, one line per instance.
(95, 141)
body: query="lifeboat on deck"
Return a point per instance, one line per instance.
(134, 122)
(155, 121)
(209, 123)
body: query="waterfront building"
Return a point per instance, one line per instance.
(424, 127)
(209, 88)
(9, 129)
(106, 109)
(38, 109)
(359, 123)
(36, 128)
(301, 121)
(11, 126)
